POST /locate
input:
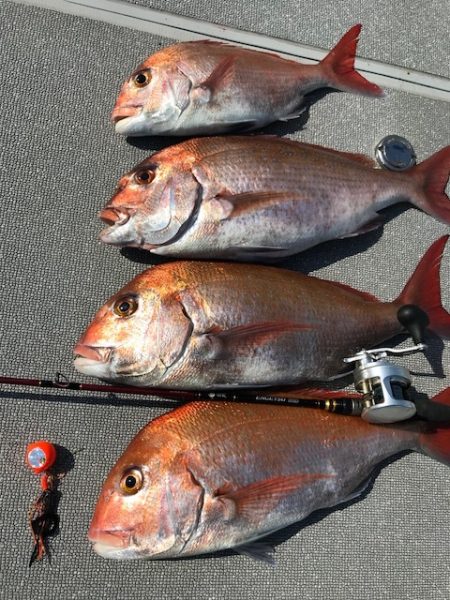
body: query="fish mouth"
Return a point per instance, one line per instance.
(115, 538)
(130, 123)
(125, 111)
(97, 353)
(112, 543)
(114, 216)
(121, 230)
(107, 551)
(93, 360)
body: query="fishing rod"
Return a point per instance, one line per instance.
(382, 386)
(381, 397)
(338, 401)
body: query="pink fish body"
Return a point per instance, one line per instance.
(200, 325)
(210, 87)
(258, 197)
(213, 475)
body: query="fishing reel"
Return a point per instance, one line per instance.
(385, 385)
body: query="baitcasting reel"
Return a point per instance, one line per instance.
(384, 385)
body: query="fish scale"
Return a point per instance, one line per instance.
(210, 87)
(206, 480)
(201, 325)
(261, 197)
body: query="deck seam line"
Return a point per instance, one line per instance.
(126, 14)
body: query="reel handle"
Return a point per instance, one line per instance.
(414, 320)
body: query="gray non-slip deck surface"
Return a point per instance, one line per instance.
(408, 34)
(60, 162)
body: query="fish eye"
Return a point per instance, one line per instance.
(144, 176)
(132, 481)
(142, 79)
(125, 307)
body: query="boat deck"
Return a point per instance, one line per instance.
(60, 163)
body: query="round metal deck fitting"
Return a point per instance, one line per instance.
(395, 153)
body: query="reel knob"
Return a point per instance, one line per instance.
(414, 320)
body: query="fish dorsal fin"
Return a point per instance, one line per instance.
(237, 48)
(359, 158)
(206, 43)
(257, 499)
(348, 288)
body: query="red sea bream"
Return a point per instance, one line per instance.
(201, 325)
(261, 197)
(210, 476)
(209, 87)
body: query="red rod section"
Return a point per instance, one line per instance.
(93, 387)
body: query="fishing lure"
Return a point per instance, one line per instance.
(43, 516)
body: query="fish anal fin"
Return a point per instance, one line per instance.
(260, 551)
(374, 223)
(359, 490)
(254, 501)
(258, 253)
(293, 115)
(238, 126)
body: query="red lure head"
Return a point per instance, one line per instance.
(40, 456)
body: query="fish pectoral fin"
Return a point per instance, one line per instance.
(221, 208)
(259, 551)
(374, 223)
(221, 76)
(254, 501)
(254, 201)
(219, 343)
(225, 206)
(356, 157)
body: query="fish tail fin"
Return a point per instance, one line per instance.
(432, 175)
(424, 289)
(339, 66)
(435, 440)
